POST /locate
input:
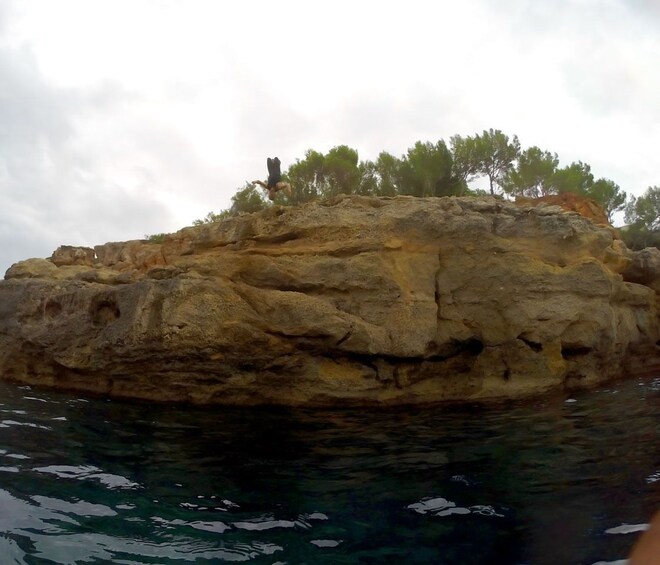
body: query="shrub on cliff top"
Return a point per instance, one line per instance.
(434, 169)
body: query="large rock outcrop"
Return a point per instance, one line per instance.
(352, 300)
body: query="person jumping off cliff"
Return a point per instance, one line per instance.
(275, 182)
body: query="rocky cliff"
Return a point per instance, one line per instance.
(353, 300)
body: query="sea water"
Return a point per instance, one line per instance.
(558, 480)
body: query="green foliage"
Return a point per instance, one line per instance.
(533, 174)
(212, 217)
(575, 178)
(388, 170)
(643, 214)
(609, 195)
(464, 153)
(156, 237)
(306, 178)
(368, 179)
(490, 154)
(495, 155)
(578, 179)
(433, 169)
(637, 236)
(645, 210)
(319, 175)
(426, 170)
(248, 199)
(340, 172)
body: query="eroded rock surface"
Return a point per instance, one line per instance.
(353, 300)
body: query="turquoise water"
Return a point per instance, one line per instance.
(558, 480)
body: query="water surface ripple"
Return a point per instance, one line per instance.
(558, 481)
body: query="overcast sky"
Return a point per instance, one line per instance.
(120, 118)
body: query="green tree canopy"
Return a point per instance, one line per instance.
(369, 181)
(433, 169)
(340, 171)
(643, 217)
(464, 154)
(426, 170)
(318, 175)
(532, 175)
(494, 156)
(306, 177)
(576, 178)
(609, 195)
(488, 154)
(645, 210)
(246, 200)
(388, 169)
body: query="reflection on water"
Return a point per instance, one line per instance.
(558, 480)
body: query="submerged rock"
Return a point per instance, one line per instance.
(351, 300)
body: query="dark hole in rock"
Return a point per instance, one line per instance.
(533, 345)
(472, 346)
(104, 312)
(52, 309)
(507, 374)
(455, 348)
(568, 352)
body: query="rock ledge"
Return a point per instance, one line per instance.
(354, 300)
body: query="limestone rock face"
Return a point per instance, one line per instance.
(351, 300)
(644, 268)
(568, 201)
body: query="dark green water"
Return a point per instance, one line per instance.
(548, 481)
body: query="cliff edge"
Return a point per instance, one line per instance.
(352, 300)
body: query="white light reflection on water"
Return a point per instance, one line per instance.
(653, 478)
(9, 423)
(627, 529)
(442, 507)
(79, 508)
(217, 526)
(92, 547)
(16, 456)
(47, 523)
(84, 472)
(264, 524)
(325, 542)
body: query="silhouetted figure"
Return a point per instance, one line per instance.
(275, 182)
(274, 173)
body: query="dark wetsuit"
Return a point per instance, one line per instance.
(274, 174)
